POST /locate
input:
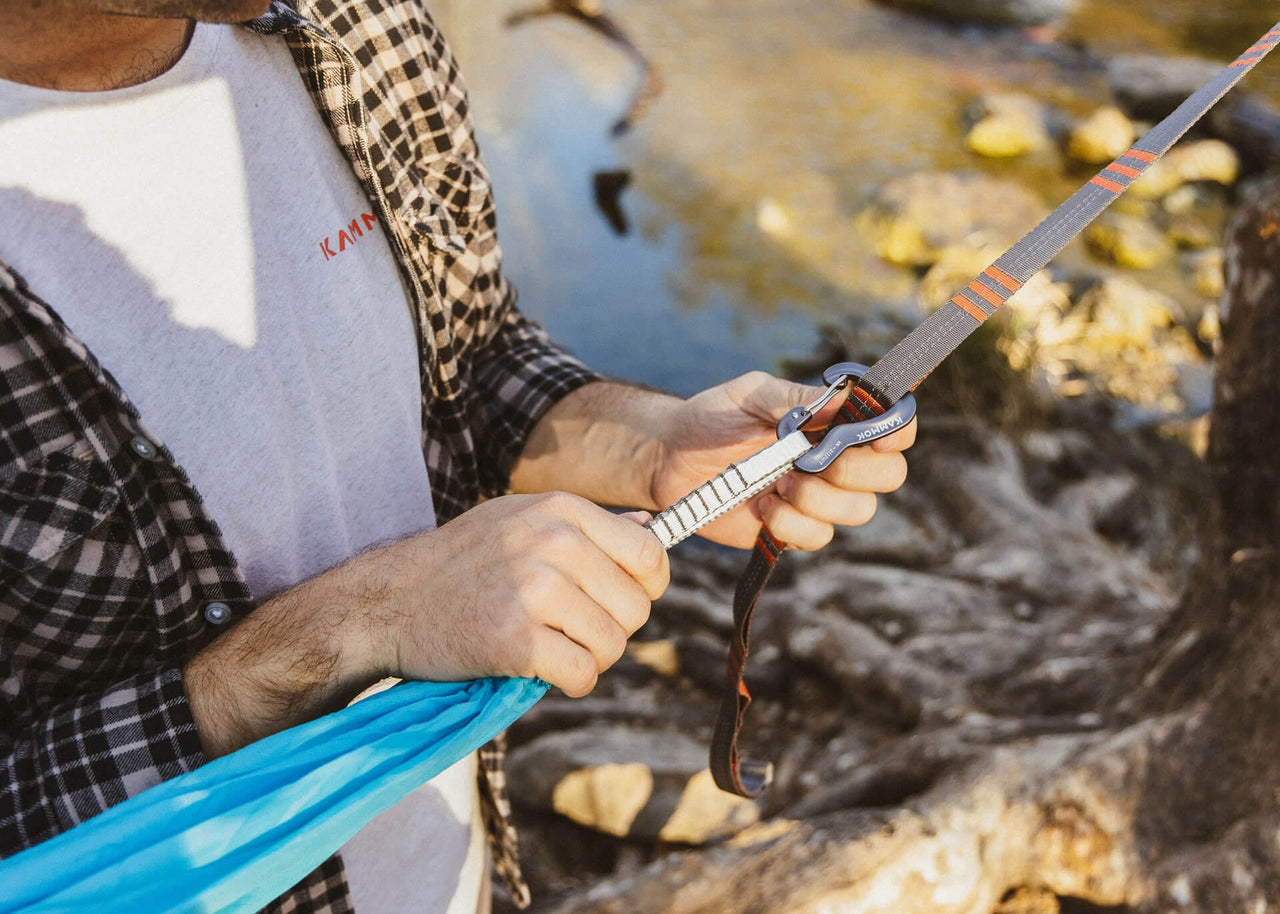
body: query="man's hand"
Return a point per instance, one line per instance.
(546, 585)
(526, 585)
(727, 423)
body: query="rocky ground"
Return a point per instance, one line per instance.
(1004, 594)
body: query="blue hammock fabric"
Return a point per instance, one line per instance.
(235, 833)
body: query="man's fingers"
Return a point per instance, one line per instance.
(793, 527)
(563, 662)
(631, 547)
(609, 587)
(860, 469)
(591, 626)
(900, 440)
(815, 497)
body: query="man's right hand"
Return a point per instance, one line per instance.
(524, 585)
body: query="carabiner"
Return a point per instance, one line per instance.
(850, 434)
(799, 417)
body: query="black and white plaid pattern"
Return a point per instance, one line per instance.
(107, 556)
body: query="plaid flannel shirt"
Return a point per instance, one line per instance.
(108, 558)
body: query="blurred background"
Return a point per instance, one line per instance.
(778, 123)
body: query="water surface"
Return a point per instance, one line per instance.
(778, 121)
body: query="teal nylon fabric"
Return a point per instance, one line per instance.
(235, 833)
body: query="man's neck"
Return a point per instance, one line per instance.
(54, 48)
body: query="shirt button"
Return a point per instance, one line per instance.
(143, 448)
(217, 613)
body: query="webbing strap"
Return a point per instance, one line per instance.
(921, 350)
(912, 360)
(741, 776)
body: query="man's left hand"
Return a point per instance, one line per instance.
(707, 432)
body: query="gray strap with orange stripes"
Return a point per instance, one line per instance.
(891, 379)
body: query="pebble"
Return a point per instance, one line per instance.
(1128, 241)
(1101, 137)
(912, 220)
(1008, 124)
(1201, 160)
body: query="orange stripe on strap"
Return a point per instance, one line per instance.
(868, 401)
(1003, 278)
(1245, 61)
(992, 297)
(1125, 170)
(1108, 184)
(969, 308)
(1141, 155)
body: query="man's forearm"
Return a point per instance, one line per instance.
(603, 441)
(548, 586)
(301, 654)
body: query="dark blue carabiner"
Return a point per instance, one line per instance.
(850, 434)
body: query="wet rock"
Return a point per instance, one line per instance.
(1125, 311)
(1007, 124)
(1209, 327)
(993, 12)
(1128, 241)
(1005, 136)
(1202, 160)
(629, 783)
(1122, 337)
(1149, 86)
(1101, 137)
(912, 220)
(1250, 124)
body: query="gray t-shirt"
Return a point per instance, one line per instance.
(206, 239)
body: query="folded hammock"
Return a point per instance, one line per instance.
(237, 832)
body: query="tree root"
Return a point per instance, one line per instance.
(1055, 812)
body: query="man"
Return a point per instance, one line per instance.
(255, 342)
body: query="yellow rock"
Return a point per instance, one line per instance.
(1202, 160)
(1007, 134)
(604, 797)
(1128, 241)
(659, 656)
(1205, 160)
(1101, 137)
(705, 812)
(1209, 328)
